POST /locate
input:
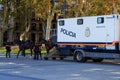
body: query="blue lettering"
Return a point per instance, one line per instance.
(69, 33)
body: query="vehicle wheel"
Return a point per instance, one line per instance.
(61, 58)
(97, 60)
(79, 57)
(53, 58)
(45, 58)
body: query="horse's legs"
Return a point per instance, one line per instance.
(18, 53)
(40, 55)
(47, 51)
(31, 52)
(23, 52)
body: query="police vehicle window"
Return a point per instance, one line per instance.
(79, 21)
(61, 23)
(100, 20)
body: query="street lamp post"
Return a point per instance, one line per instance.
(64, 6)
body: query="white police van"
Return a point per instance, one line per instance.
(91, 37)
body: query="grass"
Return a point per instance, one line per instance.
(15, 49)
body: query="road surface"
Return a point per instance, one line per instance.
(29, 69)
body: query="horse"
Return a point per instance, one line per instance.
(48, 45)
(23, 45)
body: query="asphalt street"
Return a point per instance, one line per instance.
(25, 68)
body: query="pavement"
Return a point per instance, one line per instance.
(25, 68)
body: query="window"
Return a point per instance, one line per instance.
(100, 20)
(79, 21)
(61, 23)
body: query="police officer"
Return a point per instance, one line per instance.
(8, 50)
(37, 52)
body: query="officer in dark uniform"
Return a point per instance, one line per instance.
(37, 52)
(8, 50)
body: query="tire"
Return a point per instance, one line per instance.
(79, 57)
(53, 58)
(97, 60)
(61, 58)
(45, 58)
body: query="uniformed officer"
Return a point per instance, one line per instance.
(8, 50)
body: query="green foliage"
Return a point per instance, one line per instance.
(1, 1)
